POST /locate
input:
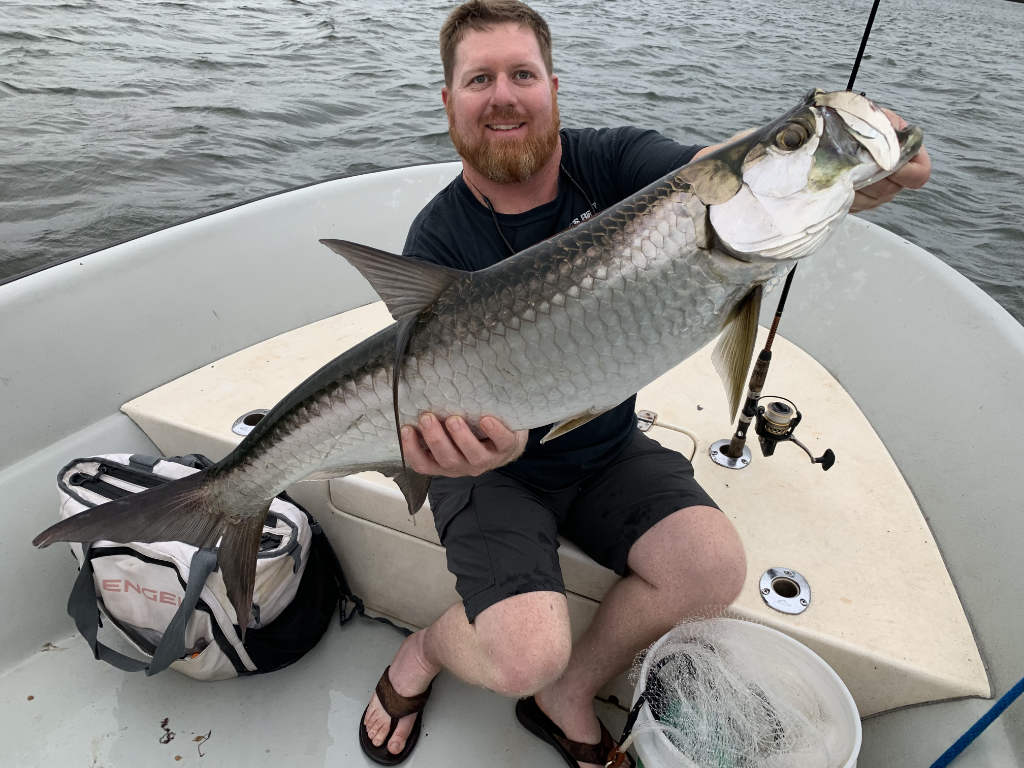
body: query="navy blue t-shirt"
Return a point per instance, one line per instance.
(454, 229)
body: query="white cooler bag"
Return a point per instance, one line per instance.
(166, 603)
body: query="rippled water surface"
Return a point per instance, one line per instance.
(118, 117)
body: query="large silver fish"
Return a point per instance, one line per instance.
(558, 333)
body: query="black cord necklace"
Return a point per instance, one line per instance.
(594, 207)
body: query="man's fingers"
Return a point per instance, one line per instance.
(416, 456)
(506, 442)
(502, 437)
(439, 442)
(915, 173)
(453, 449)
(476, 453)
(886, 189)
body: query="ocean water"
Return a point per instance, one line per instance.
(119, 117)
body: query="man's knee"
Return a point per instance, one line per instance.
(695, 558)
(526, 641)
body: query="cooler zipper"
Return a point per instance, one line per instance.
(129, 475)
(97, 486)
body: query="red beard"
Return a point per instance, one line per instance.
(507, 161)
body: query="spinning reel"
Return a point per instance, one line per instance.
(776, 422)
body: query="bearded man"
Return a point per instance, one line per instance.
(500, 502)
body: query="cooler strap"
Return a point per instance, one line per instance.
(82, 607)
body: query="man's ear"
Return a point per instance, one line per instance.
(554, 83)
(444, 95)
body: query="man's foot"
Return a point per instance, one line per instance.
(572, 728)
(577, 720)
(410, 674)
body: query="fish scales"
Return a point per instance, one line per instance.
(598, 312)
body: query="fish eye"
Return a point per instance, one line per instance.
(791, 136)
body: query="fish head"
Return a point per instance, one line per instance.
(777, 192)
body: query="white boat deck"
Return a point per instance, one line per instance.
(62, 708)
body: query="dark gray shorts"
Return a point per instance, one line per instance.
(501, 535)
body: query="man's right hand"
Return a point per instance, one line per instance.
(451, 449)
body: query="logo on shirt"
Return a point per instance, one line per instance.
(587, 214)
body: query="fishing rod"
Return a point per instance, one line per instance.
(777, 421)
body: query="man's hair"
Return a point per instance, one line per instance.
(481, 15)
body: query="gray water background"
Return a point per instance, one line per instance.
(120, 117)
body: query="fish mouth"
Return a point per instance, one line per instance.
(870, 128)
(865, 123)
(910, 140)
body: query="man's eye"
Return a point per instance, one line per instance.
(479, 79)
(522, 74)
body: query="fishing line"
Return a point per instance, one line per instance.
(734, 449)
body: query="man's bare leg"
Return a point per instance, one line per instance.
(686, 565)
(689, 564)
(514, 647)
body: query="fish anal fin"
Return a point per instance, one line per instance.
(414, 487)
(236, 558)
(735, 348)
(406, 285)
(568, 425)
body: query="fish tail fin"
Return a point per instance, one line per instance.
(182, 510)
(192, 510)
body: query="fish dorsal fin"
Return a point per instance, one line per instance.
(735, 348)
(407, 285)
(414, 487)
(568, 425)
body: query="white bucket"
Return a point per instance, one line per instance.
(656, 750)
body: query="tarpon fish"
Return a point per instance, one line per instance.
(556, 334)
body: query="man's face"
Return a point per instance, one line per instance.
(502, 105)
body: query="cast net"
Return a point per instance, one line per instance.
(719, 700)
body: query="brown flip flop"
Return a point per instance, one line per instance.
(397, 706)
(573, 752)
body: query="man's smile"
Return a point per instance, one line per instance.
(505, 124)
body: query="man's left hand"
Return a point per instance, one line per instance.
(913, 175)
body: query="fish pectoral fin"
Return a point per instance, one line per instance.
(568, 425)
(735, 349)
(414, 487)
(407, 285)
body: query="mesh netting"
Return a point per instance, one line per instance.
(722, 701)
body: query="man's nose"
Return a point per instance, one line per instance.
(504, 92)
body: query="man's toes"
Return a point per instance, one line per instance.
(398, 739)
(376, 722)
